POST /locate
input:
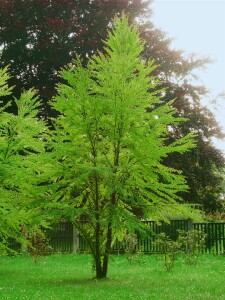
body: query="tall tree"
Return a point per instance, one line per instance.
(20, 143)
(107, 149)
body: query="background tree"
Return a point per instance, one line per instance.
(19, 145)
(203, 166)
(39, 37)
(107, 149)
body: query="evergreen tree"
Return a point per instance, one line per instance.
(20, 144)
(107, 149)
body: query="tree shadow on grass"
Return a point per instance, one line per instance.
(9, 273)
(76, 281)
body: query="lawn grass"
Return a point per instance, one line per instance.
(68, 277)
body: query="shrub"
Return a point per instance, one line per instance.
(38, 245)
(168, 249)
(131, 241)
(192, 243)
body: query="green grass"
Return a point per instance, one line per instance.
(68, 277)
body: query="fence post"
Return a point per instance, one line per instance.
(190, 224)
(75, 239)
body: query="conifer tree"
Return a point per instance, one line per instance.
(109, 142)
(20, 143)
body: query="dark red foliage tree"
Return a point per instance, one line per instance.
(38, 37)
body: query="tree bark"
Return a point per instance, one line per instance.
(107, 250)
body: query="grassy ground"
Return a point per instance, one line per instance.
(68, 277)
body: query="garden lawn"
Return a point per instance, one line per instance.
(68, 277)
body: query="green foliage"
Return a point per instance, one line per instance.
(38, 244)
(168, 249)
(189, 243)
(131, 242)
(192, 243)
(20, 142)
(4, 77)
(109, 142)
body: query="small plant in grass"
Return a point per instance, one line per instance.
(131, 242)
(38, 245)
(192, 242)
(168, 249)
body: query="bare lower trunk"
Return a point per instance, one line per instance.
(105, 261)
(99, 269)
(107, 249)
(102, 258)
(101, 262)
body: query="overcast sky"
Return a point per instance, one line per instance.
(198, 26)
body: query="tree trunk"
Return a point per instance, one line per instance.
(98, 261)
(99, 270)
(101, 265)
(107, 249)
(104, 267)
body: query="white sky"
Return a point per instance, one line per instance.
(198, 26)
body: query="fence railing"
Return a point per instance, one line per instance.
(65, 238)
(215, 239)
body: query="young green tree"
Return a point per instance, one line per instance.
(20, 144)
(109, 142)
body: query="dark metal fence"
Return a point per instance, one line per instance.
(65, 238)
(215, 239)
(146, 243)
(60, 239)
